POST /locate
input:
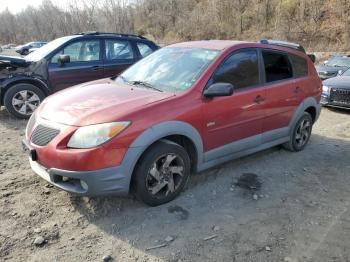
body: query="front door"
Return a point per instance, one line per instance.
(234, 123)
(85, 64)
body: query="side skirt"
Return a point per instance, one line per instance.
(237, 154)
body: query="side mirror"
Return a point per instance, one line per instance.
(63, 59)
(218, 89)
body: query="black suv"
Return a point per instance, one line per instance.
(64, 62)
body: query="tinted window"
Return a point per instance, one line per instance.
(240, 69)
(277, 66)
(144, 49)
(118, 49)
(81, 51)
(299, 66)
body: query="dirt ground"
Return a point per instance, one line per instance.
(300, 213)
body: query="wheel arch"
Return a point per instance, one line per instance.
(8, 83)
(309, 105)
(176, 131)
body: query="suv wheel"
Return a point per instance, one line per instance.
(301, 133)
(22, 99)
(161, 173)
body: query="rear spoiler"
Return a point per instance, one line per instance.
(312, 57)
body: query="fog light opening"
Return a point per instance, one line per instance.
(84, 185)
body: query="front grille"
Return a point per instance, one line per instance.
(340, 96)
(42, 135)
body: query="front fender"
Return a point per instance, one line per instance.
(155, 133)
(8, 82)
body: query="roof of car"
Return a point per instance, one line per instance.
(209, 44)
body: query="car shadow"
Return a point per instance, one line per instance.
(212, 198)
(339, 110)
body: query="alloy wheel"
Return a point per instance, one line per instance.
(303, 132)
(165, 175)
(25, 102)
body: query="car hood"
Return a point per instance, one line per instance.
(12, 61)
(340, 81)
(100, 101)
(330, 69)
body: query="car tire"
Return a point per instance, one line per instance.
(161, 173)
(22, 99)
(301, 134)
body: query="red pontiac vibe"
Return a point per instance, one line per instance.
(185, 108)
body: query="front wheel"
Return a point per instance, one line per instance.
(301, 134)
(22, 99)
(161, 173)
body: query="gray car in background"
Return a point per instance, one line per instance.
(336, 91)
(29, 47)
(335, 66)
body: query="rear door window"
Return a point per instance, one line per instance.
(118, 49)
(300, 67)
(241, 69)
(277, 66)
(144, 49)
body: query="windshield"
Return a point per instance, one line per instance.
(169, 69)
(339, 61)
(47, 49)
(346, 73)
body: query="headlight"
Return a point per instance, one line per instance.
(340, 72)
(325, 89)
(95, 135)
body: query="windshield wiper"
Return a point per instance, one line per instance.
(145, 84)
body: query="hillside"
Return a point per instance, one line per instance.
(318, 24)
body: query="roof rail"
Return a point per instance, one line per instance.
(108, 33)
(283, 44)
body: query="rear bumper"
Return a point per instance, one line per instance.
(106, 181)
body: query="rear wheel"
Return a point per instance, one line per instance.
(161, 173)
(22, 99)
(301, 133)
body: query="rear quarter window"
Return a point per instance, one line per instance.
(300, 67)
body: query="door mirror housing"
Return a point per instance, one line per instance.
(63, 59)
(218, 89)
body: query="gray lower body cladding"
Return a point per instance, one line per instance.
(116, 180)
(86, 183)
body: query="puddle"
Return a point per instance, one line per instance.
(249, 181)
(179, 211)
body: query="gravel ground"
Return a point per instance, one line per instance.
(300, 212)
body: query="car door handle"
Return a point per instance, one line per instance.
(298, 90)
(97, 68)
(258, 99)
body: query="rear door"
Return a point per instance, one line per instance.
(283, 91)
(237, 118)
(119, 55)
(85, 64)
